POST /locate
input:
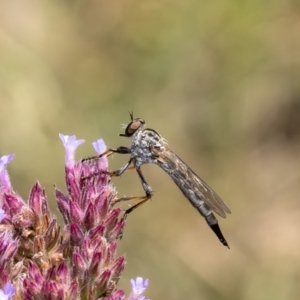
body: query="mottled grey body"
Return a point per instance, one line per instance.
(149, 147)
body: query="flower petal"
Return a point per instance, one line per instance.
(70, 143)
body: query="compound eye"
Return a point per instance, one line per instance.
(133, 126)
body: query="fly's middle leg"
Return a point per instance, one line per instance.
(147, 188)
(142, 199)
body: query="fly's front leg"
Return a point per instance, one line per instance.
(120, 150)
(108, 152)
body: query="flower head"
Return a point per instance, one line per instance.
(39, 260)
(8, 292)
(2, 214)
(139, 286)
(70, 143)
(4, 178)
(99, 146)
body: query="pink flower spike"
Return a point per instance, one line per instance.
(70, 143)
(99, 146)
(138, 288)
(4, 178)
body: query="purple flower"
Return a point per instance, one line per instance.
(70, 144)
(99, 146)
(138, 288)
(72, 168)
(4, 178)
(7, 292)
(2, 214)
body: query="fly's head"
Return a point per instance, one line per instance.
(133, 127)
(147, 140)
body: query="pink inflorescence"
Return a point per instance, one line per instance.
(37, 260)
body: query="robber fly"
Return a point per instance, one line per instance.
(149, 147)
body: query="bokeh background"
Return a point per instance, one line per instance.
(220, 80)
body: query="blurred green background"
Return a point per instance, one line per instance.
(220, 80)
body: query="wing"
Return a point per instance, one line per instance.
(187, 180)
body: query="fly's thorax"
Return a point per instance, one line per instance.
(145, 145)
(148, 138)
(153, 139)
